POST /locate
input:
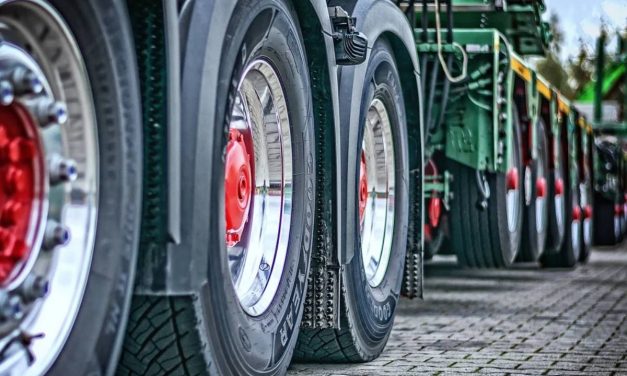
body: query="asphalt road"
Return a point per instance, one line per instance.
(524, 321)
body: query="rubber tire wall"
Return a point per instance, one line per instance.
(481, 238)
(367, 313)
(94, 343)
(533, 242)
(208, 332)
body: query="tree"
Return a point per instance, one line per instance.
(551, 67)
(581, 68)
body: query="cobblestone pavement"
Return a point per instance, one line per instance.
(521, 321)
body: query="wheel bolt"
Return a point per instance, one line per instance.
(10, 307)
(34, 287)
(61, 170)
(55, 235)
(6, 93)
(49, 112)
(25, 81)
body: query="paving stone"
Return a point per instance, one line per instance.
(523, 321)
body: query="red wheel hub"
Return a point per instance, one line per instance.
(587, 212)
(20, 172)
(512, 179)
(559, 187)
(434, 208)
(541, 187)
(237, 186)
(619, 209)
(363, 186)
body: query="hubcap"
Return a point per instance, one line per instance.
(49, 173)
(363, 187)
(378, 224)
(237, 186)
(258, 187)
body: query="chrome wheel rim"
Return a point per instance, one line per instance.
(513, 192)
(540, 204)
(377, 220)
(586, 222)
(57, 97)
(257, 254)
(559, 205)
(575, 226)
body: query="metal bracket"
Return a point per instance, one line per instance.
(351, 46)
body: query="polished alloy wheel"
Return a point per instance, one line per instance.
(377, 217)
(513, 191)
(559, 204)
(258, 187)
(541, 192)
(49, 191)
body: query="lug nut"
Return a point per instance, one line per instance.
(10, 307)
(6, 93)
(34, 287)
(25, 81)
(61, 170)
(49, 112)
(55, 235)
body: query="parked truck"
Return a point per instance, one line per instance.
(219, 186)
(607, 98)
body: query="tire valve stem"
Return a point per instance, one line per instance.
(6, 93)
(55, 235)
(25, 340)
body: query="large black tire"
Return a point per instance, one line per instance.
(208, 331)
(94, 342)
(606, 223)
(367, 312)
(571, 247)
(556, 202)
(481, 238)
(536, 213)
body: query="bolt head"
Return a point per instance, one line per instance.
(6, 93)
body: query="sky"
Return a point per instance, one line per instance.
(582, 18)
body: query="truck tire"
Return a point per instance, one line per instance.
(71, 183)
(490, 237)
(535, 223)
(556, 202)
(252, 209)
(571, 248)
(371, 289)
(606, 222)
